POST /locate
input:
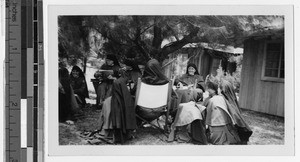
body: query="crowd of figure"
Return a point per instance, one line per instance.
(212, 119)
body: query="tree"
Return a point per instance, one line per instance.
(144, 37)
(73, 38)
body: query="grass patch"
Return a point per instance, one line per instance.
(267, 129)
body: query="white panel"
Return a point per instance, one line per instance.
(29, 154)
(23, 123)
(153, 96)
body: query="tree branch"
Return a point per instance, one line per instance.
(146, 29)
(174, 46)
(174, 33)
(141, 48)
(111, 38)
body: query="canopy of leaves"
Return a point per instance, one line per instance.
(144, 37)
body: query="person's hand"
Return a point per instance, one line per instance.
(111, 77)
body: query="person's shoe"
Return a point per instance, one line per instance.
(171, 136)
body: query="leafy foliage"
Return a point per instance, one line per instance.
(144, 37)
(234, 78)
(72, 37)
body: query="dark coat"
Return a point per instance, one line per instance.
(65, 98)
(115, 73)
(187, 79)
(79, 84)
(122, 109)
(243, 129)
(153, 74)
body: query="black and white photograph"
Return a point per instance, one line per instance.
(164, 80)
(169, 80)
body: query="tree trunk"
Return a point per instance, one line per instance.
(84, 64)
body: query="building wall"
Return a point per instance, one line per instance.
(256, 94)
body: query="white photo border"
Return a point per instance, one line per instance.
(51, 74)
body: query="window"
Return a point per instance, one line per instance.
(273, 65)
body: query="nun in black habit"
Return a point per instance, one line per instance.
(119, 117)
(78, 83)
(67, 101)
(243, 129)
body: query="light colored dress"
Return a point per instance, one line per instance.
(220, 122)
(187, 113)
(105, 121)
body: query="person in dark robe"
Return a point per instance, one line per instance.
(243, 129)
(78, 83)
(132, 72)
(190, 88)
(192, 77)
(153, 73)
(191, 82)
(67, 102)
(122, 103)
(221, 130)
(122, 111)
(118, 110)
(107, 77)
(197, 127)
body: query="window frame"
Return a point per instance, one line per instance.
(272, 79)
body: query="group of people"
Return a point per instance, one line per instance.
(72, 92)
(214, 119)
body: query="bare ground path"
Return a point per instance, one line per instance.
(267, 130)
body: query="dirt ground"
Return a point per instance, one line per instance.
(267, 130)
